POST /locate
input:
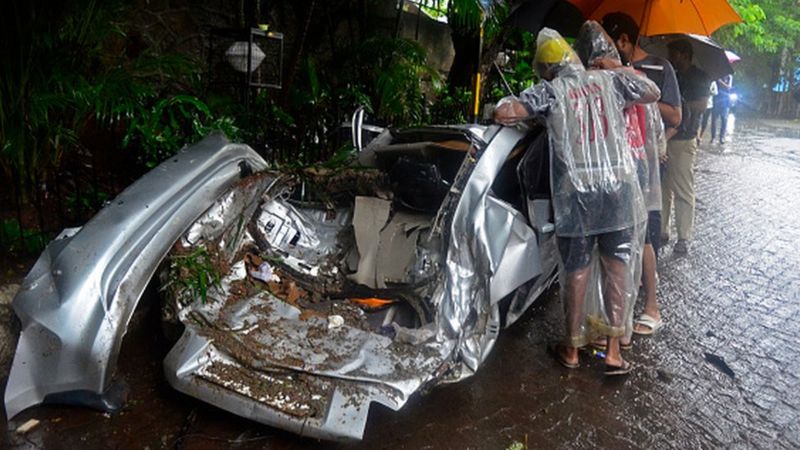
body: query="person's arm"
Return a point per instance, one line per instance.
(532, 102)
(670, 114)
(726, 82)
(635, 87)
(510, 111)
(670, 102)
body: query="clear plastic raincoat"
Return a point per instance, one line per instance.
(645, 127)
(645, 133)
(594, 180)
(597, 198)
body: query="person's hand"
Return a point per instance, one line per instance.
(510, 112)
(606, 63)
(663, 158)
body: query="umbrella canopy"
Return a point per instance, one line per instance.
(560, 15)
(666, 16)
(708, 55)
(732, 57)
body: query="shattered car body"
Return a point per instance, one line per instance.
(300, 298)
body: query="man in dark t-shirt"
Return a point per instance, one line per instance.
(682, 147)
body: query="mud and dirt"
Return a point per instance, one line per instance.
(287, 392)
(735, 298)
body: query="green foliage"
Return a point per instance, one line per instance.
(32, 240)
(767, 27)
(465, 14)
(518, 72)
(170, 123)
(47, 49)
(768, 40)
(341, 157)
(469, 14)
(391, 72)
(434, 8)
(451, 107)
(70, 73)
(390, 77)
(194, 273)
(86, 200)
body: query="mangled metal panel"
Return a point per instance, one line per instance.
(76, 302)
(465, 312)
(258, 352)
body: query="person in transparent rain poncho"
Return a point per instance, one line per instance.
(597, 199)
(645, 131)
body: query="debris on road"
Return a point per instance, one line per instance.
(720, 364)
(28, 426)
(335, 321)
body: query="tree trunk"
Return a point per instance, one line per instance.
(298, 53)
(465, 61)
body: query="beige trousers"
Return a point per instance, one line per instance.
(679, 183)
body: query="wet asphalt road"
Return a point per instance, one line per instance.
(735, 298)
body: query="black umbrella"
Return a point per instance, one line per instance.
(533, 15)
(708, 55)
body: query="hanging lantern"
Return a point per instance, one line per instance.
(238, 53)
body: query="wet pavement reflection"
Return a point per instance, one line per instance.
(723, 372)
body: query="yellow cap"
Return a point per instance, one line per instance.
(553, 50)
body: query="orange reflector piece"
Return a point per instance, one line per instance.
(372, 302)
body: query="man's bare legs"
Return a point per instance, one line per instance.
(573, 310)
(649, 284)
(614, 289)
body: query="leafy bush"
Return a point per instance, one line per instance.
(451, 108)
(394, 72)
(170, 123)
(518, 72)
(15, 238)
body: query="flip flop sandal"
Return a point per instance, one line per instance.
(652, 324)
(603, 347)
(624, 369)
(553, 349)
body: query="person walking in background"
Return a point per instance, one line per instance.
(712, 90)
(682, 146)
(722, 107)
(596, 195)
(624, 31)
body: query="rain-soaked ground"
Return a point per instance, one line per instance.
(723, 373)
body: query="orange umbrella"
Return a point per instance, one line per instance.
(666, 16)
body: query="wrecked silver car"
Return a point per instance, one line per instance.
(300, 298)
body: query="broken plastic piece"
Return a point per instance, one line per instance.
(335, 321)
(372, 302)
(413, 336)
(28, 426)
(265, 273)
